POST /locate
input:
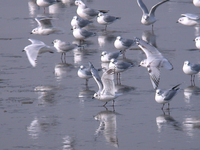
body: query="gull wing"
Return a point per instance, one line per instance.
(143, 7)
(90, 11)
(154, 74)
(86, 33)
(127, 42)
(114, 55)
(44, 22)
(167, 65)
(108, 82)
(195, 67)
(66, 46)
(153, 9)
(108, 18)
(96, 76)
(34, 41)
(191, 16)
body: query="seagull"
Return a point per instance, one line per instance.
(37, 47)
(84, 73)
(196, 3)
(77, 21)
(191, 69)
(189, 19)
(165, 96)
(148, 17)
(81, 34)
(45, 26)
(154, 61)
(106, 85)
(85, 12)
(107, 56)
(105, 19)
(197, 42)
(46, 3)
(123, 44)
(119, 67)
(63, 47)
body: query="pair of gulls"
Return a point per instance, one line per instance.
(38, 47)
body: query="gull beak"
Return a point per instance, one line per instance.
(31, 33)
(139, 65)
(93, 97)
(23, 50)
(177, 22)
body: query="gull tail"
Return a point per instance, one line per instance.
(175, 87)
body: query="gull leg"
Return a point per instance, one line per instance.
(86, 83)
(163, 106)
(105, 104)
(168, 106)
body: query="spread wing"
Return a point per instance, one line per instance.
(190, 16)
(44, 22)
(143, 7)
(153, 9)
(108, 82)
(154, 74)
(34, 41)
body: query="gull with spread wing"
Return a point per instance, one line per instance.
(36, 47)
(154, 61)
(106, 85)
(148, 17)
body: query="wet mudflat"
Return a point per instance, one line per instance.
(49, 106)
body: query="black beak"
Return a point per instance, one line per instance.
(93, 97)
(23, 50)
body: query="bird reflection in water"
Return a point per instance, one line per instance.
(68, 143)
(189, 91)
(62, 70)
(105, 39)
(167, 120)
(149, 37)
(46, 94)
(191, 124)
(85, 94)
(107, 126)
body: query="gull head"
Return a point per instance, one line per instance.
(100, 14)
(82, 67)
(34, 31)
(158, 91)
(143, 63)
(75, 18)
(197, 39)
(186, 63)
(56, 41)
(104, 53)
(145, 17)
(118, 38)
(96, 95)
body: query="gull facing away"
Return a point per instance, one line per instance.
(105, 19)
(46, 3)
(197, 42)
(63, 47)
(123, 44)
(77, 21)
(82, 34)
(154, 61)
(165, 96)
(107, 56)
(191, 69)
(106, 85)
(45, 27)
(189, 19)
(85, 12)
(148, 17)
(36, 47)
(84, 73)
(196, 3)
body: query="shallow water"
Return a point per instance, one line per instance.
(49, 107)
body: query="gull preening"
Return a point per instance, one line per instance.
(148, 17)
(105, 19)
(165, 96)
(45, 27)
(36, 47)
(191, 69)
(154, 61)
(77, 21)
(63, 47)
(85, 12)
(106, 85)
(107, 56)
(84, 73)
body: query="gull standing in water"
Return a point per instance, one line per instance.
(85, 12)
(106, 85)
(191, 69)
(189, 19)
(63, 47)
(107, 56)
(123, 44)
(154, 61)
(77, 21)
(84, 73)
(165, 96)
(148, 17)
(82, 34)
(45, 26)
(36, 47)
(105, 19)
(46, 3)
